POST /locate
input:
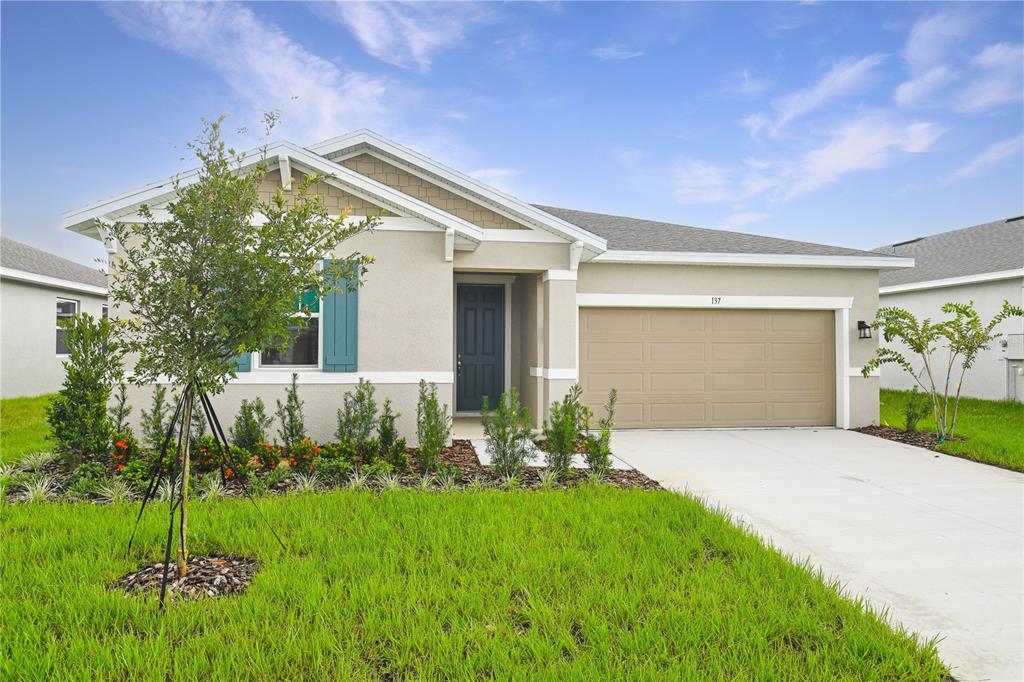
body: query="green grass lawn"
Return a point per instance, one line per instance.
(595, 583)
(23, 427)
(993, 430)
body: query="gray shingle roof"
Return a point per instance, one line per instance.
(989, 247)
(18, 256)
(634, 234)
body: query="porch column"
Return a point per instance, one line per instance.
(560, 338)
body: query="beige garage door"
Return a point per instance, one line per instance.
(720, 368)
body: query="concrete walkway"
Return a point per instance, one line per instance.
(937, 540)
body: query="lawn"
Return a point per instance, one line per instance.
(595, 583)
(992, 430)
(23, 426)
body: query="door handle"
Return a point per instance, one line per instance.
(458, 364)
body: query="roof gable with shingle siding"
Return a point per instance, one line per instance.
(335, 199)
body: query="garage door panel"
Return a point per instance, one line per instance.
(728, 368)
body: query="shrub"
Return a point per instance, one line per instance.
(78, 418)
(357, 420)
(289, 414)
(115, 491)
(156, 422)
(251, 425)
(433, 426)
(125, 450)
(305, 483)
(334, 470)
(508, 434)
(211, 487)
(916, 409)
(86, 480)
(561, 431)
(392, 446)
(376, 469)
(598, 447)
(303, 455)
(36, 461)
(40, 488)
(120, 410)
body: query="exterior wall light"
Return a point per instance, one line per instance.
(863, 329)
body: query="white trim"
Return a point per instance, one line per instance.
(856, 372)
(505, 281)
(842, 333)
(284, 165)
(754, 259)
(313, 376)
(713, 301)
(575, 253)
(952, 281)
(449, 245)
(549, 373)
(56, 282)
(528, 235)
(564, 275)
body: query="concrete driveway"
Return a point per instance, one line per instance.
(936, 539)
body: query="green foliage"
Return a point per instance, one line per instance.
(292, 428)
(376, 469)
(78, 418)
(207, 281)
(357, 420)
(392, 446)
(86, 479)
(303, 455)
(251, 425)
(334, 470)
(433, 426)
(916, 408)
(598, 447)
(120, 410)
(562, 429)
(156, 422)
(964, 336)
(508, 434)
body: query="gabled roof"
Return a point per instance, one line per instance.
(18, 259)
(988, 248)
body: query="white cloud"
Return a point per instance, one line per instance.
(499, 178)
(755, 124)
(741, 218)
(615, 53)
(1001, 78)
(406, 34)
(263, 66)
(915, 90)
(990, 156)
(932, 36)
(843, 79)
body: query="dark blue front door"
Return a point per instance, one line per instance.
(480, 345)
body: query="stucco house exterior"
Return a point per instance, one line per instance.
(37, 290)
(984, 264)
(478, 291)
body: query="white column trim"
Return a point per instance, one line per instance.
(575, 251)
(284, 164)
(565, 275)
(553, 373)
(449, 244)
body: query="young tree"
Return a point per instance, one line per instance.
(965, 335)
(218, 274)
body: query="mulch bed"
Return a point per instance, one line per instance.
(921, 439)
(214, 575)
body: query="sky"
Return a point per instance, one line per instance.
(855, 124)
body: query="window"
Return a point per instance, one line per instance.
(106, 312)
(65, 309)
(303, 349)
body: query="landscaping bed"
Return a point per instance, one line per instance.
(922, 439)
(207, 576)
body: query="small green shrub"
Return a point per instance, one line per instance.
(334, 470)
(357, 420)
(433, 427)
(115, 491)
(916, 408)
(251, 425)
(392, 446)
(86, 480)
(157, 420)
(120, 410)
(598, 449)
(508, 434)
(561, 431)
(39, 488)
(303, 455)
(376, 469)
(289, 413)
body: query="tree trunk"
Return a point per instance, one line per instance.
(186, 425)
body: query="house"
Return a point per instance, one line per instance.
(478, 291)
(984, 264)
(37, 291)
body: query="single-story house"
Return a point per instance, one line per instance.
(478, 291)
(984, 264)
(37, 291)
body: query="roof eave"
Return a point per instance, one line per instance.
(755, 259)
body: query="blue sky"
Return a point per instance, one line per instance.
(848, 123)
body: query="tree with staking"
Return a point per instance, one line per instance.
(216, 274)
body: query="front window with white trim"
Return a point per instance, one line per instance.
(303, 349)
(66, 308)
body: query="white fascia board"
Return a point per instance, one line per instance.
(754, 259)
(450, 175)
(54, 282)
(952, 281)
(714, 301)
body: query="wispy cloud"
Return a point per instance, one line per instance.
(740, 218)
(926, 54)
(499, 178)
(999, 78)
(915, 90)
(755, 124)
(991, 156)
(614, 53)
(845, 78)
(263, 66)
(407, 34)
(697, 182)
(746, 85)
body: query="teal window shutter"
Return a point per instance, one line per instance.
(243, 362)
(339, 317)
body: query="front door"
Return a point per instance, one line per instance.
(479, 345)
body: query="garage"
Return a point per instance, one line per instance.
(687, 367)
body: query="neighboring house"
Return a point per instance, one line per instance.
(37, 291)
(478, 291)
(984, 264)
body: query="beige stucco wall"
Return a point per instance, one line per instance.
(989, 377)
(862, 285)
(29, 364)
(513, 257)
